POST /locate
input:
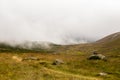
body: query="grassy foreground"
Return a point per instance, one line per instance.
(75, 67)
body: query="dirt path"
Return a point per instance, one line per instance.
(81, 77)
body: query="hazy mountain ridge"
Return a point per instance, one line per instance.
(27, 46)
(109, 38)
(108, 43)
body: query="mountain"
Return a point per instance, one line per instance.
(111, 38)
(110, 43)
(27, 46)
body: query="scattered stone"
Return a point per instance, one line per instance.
(18, 59)
(31, 58)
(102, 74)
(96, 56)
(57, 62)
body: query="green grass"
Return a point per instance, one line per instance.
(76, 67)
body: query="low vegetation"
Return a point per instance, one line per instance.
(75, 67)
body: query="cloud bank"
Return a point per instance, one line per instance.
(58, 21)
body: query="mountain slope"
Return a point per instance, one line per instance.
(110, 38)
(110, 43)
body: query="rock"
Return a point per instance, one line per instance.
(96, 56)
(31, 58)
(57, 62)
(102, 74)
(18, 59)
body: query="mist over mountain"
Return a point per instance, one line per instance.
(58, 21)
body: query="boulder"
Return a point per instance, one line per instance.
(97, 57)
(57, 62)
(102, 74)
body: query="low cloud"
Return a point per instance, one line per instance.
(58, 21)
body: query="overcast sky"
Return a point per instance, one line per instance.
(58, 21)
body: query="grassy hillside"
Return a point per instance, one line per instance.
(76, 66)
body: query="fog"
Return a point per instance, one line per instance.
(58, 21)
